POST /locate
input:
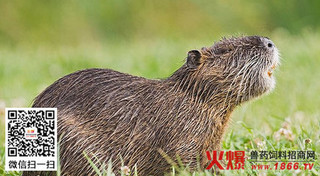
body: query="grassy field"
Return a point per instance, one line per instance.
(292, 107)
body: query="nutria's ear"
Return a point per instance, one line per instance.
(193, 59)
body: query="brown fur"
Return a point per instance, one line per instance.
(111, 114)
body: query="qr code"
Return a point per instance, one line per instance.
(31, 139)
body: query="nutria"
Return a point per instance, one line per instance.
(109, 114)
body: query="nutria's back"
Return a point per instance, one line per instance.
(85, 85)
(111, 114)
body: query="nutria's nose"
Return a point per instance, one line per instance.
(268, 43)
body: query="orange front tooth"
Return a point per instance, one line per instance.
(269, 73)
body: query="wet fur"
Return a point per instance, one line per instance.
(110, 114)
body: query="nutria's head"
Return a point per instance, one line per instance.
(238, 69)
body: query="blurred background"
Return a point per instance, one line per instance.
(41, 41)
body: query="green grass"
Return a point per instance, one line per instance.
(26, 71)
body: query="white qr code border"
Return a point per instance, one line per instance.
(38, 163)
